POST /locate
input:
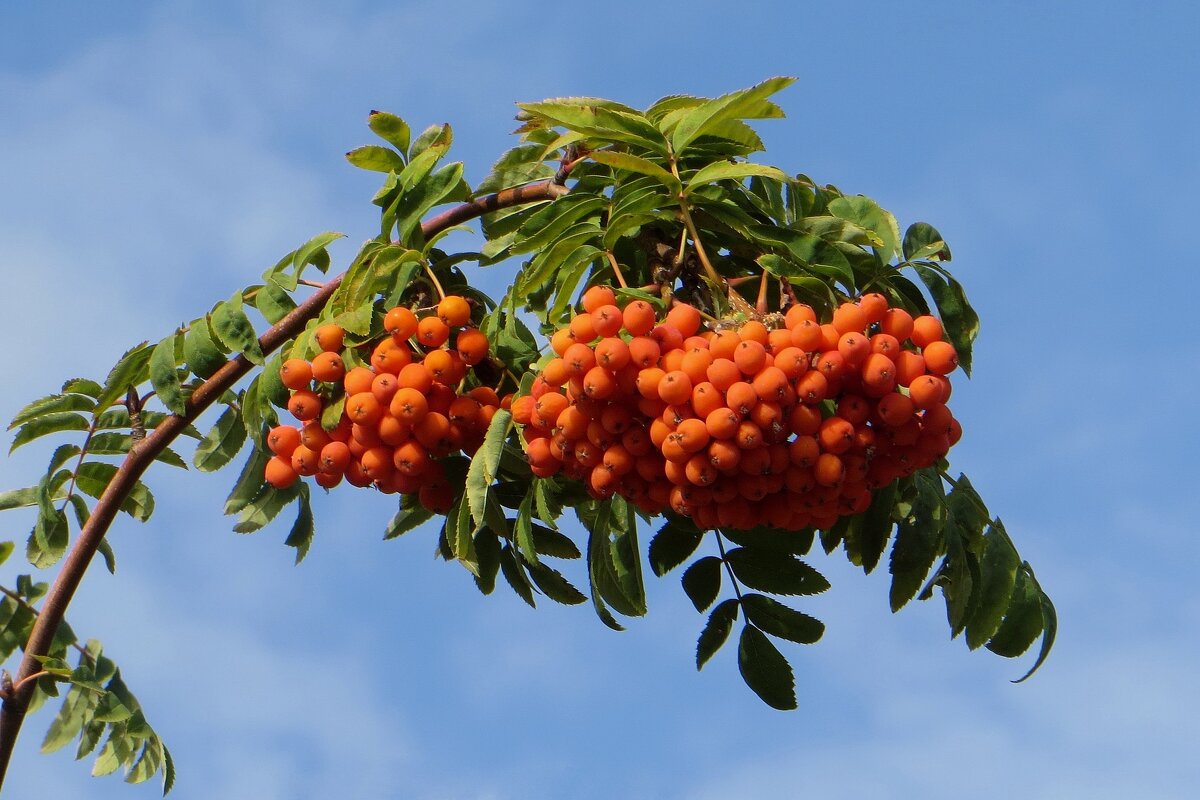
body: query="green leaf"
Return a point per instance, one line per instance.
(1023, 622)
(793, 542)
(484, 464)
(523, 528)
(264, 507)
(18, 498)
(765, 670)
(554, 585)
(55, 403)
(675, 541)
(165, 377)
(410, 515)
(233, 328)
(998, 575)
(6, 550)
(599, 119)
(960, 320)
(642, 166)
(200, 352)
(516, 576)
(1049, 624)
(69, 721)
(487, 551)
(875, 527)
(132, 369)
(274, 303)
(551, 543)
(222, 443)
(922, 241)
(777, 619)
(375, 158)
(726, 170)
(775, 572)
(47, 424)
(460, 535)
(716, 631)
(550, 222)
(702, 582)
(301, 534)
(249, 482)
(390, 128)
(918, 541)
(104, 548)
(49, 539)
(736, 105)
(867, 214)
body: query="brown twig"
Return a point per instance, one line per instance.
(142, 454)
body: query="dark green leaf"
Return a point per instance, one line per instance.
(264, 507)
(998, 574)
(958, 317)
(301, 535)
(716, 631)
(410, 515)
(765, 670)
(554, 585)
(54, 403)
(47, 424)
(233, 328)
(554, 544)
(165, 377)
(675, 541)
(132, 369)
(922, 241)
(487, 551)
(516, 576)
(273, 302)
(875, 527)
(222, 443)
(794, 542)
(775, 572)
(250, 481)
(918, 541)
(1023, 622)
(777, 619)
(523, 529)
(702, 582)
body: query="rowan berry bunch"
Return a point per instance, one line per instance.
(780, 421)
(404, 413)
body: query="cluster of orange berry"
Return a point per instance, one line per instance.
(402, 414)
(788, 423)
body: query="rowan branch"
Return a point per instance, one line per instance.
(143, 453)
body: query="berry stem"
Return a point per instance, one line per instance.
(612, 260)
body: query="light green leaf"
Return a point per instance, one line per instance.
(165, 377)
(375, 158)
(55, 403)
(47, 424)
(867, 214)
(222, 443)
(132, 369)
(725, 170)
(632, 163)
(736, 105)
(390, 128)
(482, 472)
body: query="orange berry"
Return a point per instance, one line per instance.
(364, 408)
(770, 384)
(778, 340)
(358, 379)
(648, 381)
(894, 409)
(750, 356)
(812, 387)
(940, 358)
(742, 398)
(897, 322)
(854, 347)
(328, 367)
(283, 439)
(401, 322)
(415, 376)
(804, 420)
(879, 373)
(432, 332)
(675, 387)
(696, 363)
(330, 337)
(722, 423)
(304, 405)
(848, 318)
(829, 470)
(807, 335)
(598, 296)
(754, 331)
(836, 435)
(472, 346)
(599, 383)
(612, 353)
(909, 367)
(313, 436)
(306, 461)
(926, 329)
(583, 328)
(638, 318)
(454, 311)
(926, 391)
(683, 318)
(296, 373)
(279, 472)
(798, 313)
(668, 337)
(874, 306)
(440, 365)
(607, 320)
(334, 458)
(388, 356)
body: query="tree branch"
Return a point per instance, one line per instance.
(143, 453)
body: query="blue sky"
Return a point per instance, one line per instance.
(156, 157)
